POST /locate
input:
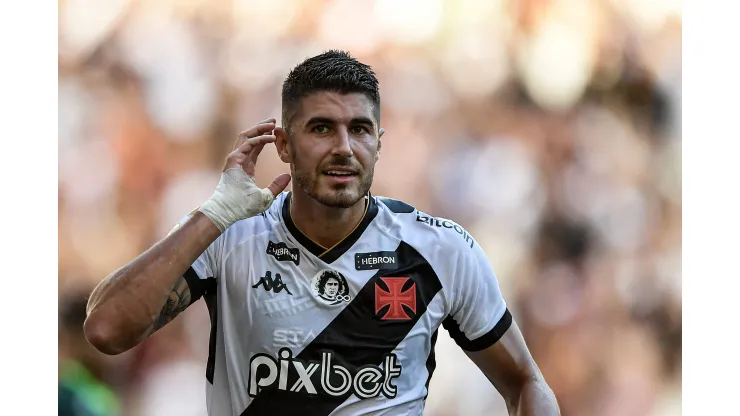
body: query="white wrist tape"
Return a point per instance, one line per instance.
(236, 197)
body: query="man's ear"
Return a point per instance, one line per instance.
(282, 144)
(380, 142)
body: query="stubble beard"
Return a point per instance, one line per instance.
(345, 196)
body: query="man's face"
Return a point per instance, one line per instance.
(332, 287)
(333, 147)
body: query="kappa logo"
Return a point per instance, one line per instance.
(282, 252)
(333, 379)
(330, 287)
(395, 298)
(269, 284)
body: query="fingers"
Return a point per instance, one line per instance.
(254, 142)
(279, 184)
(240, 155)
(250, 165)
(255, 153)
(263, 127)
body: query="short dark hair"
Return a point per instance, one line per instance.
(334, 71)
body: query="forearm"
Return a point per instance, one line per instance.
(124, 308)
(535, 399)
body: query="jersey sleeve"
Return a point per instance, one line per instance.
(478, 317)
(201, 274)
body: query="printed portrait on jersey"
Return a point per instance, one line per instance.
(330, 287)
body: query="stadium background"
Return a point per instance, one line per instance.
(550, 129)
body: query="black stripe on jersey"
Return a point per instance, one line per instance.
(211, 298)
(482, 342)
(431, 362)
(207, 289)
(356, 337)
(196, 286)
(332, 254)
(396, 206)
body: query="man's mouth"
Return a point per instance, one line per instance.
(339, 172)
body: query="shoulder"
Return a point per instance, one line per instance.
(424, 230)
(395, 206)
(455, 256)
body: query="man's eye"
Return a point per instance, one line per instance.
(321, 129)
(358, 130)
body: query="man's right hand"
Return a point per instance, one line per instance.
(237, 196)
(143, 296)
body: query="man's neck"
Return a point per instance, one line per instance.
(324, 225)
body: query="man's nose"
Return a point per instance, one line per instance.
(342, 144)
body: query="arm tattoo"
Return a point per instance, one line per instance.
(177, 302)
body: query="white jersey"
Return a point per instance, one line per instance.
(297, 328)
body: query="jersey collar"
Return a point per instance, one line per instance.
(329, 255)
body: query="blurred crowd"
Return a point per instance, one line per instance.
(550, 129)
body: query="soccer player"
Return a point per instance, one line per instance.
(327, 299)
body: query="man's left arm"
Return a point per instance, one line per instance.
(480, 324)
(512, 370)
